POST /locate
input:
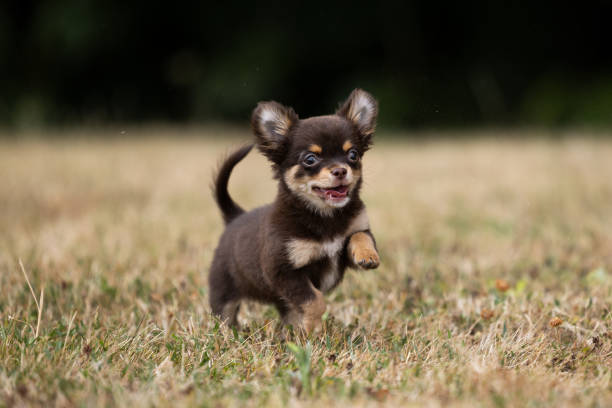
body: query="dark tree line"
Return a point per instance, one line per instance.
(429, 63)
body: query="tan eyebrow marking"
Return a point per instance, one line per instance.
(315, 148)
(347, 145)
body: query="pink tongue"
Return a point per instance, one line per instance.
(335, 194)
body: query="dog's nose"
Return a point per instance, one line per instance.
(339, 172)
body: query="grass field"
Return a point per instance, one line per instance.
(495, 287)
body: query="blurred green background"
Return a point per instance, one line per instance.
(430, 64)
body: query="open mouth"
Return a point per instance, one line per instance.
(337, 193)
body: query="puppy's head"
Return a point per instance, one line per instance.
(318, 159)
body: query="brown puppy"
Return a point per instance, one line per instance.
(289, 253)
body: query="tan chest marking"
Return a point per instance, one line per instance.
(303, 251)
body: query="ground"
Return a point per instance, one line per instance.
(495, 287)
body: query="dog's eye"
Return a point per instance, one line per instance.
(310, 160)
(353, 156)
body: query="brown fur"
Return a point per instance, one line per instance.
(291, 252)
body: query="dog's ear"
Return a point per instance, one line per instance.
(271, 123)
(362, 109)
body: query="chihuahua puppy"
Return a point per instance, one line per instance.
(293, 251)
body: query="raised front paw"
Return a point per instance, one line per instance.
(363, 251)
(366, 258)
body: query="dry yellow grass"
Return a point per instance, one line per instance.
(118, 234)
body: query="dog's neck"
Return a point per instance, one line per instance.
(298, 218)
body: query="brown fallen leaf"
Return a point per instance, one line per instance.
(555, 321)
(380, 394)
(487, 314)
(502, 285)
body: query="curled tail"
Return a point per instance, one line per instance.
(229, 209)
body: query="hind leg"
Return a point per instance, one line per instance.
(229, 312)
(225, 308)
(223, 295)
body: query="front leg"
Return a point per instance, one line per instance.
(362, 250)
(303, 304)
